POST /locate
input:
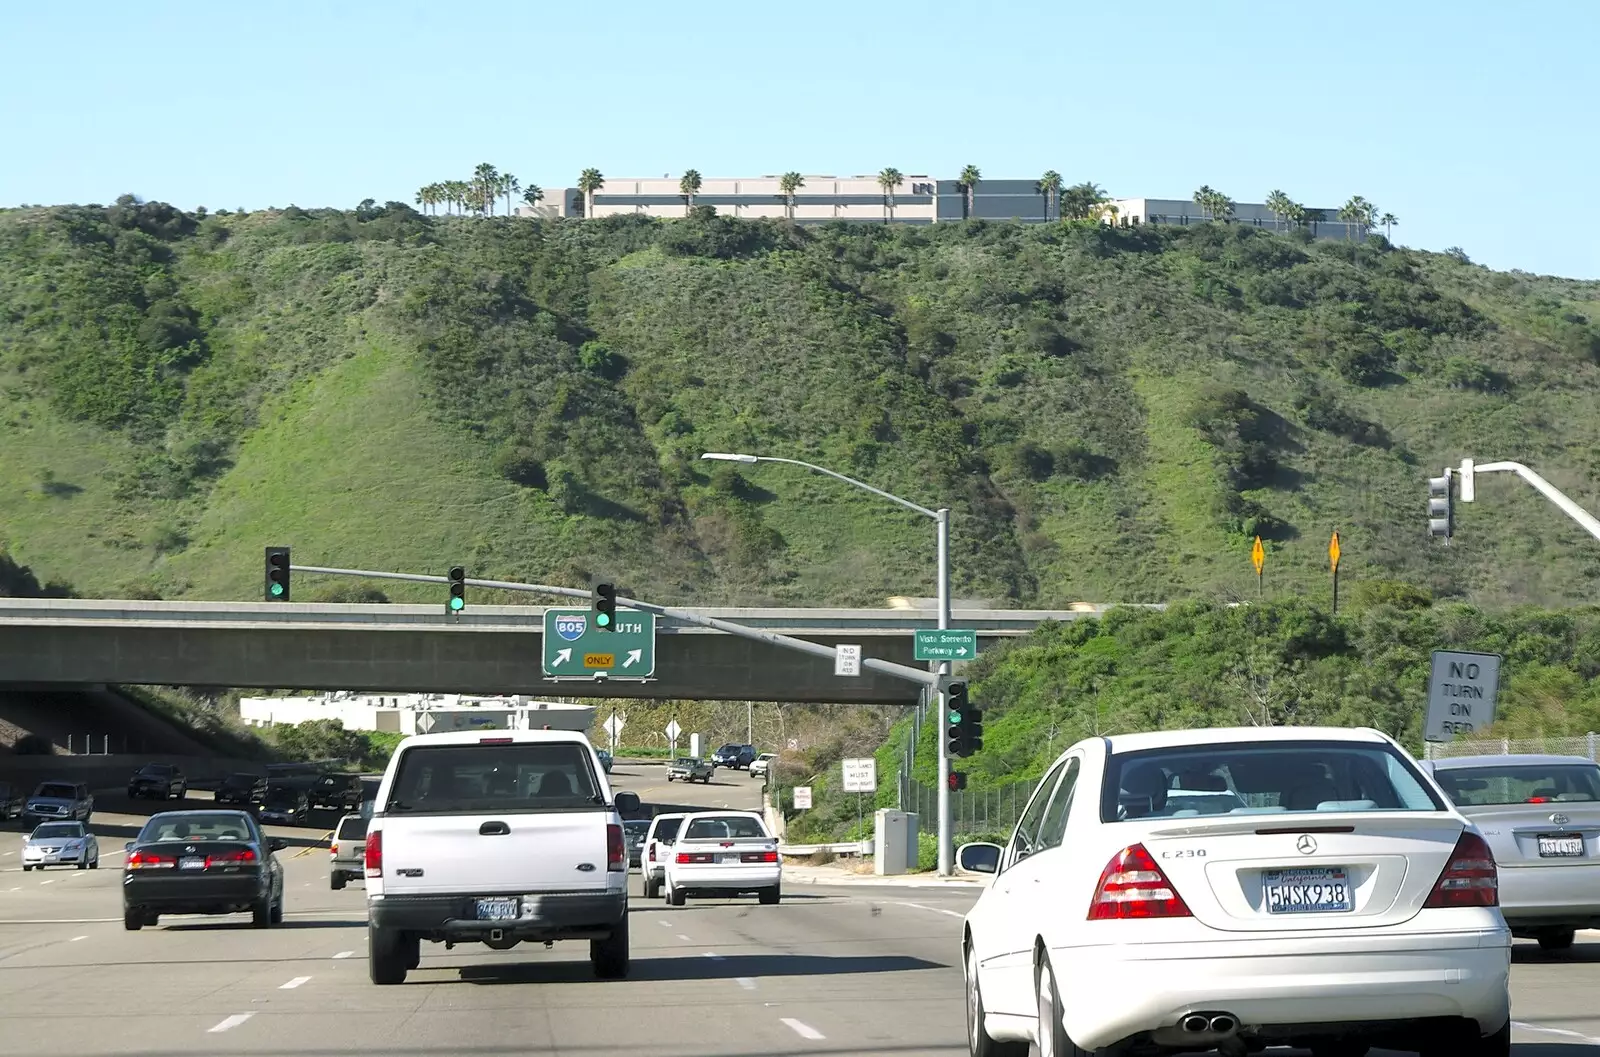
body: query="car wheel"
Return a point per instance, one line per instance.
(387, 957)
(133, 920)
(413, 951)
(650, 889)
(1053, 1040)
(83, 864)
(277, 910)
(1473, 1044)
(669, 777)
(338, 882)
(978, 1040)
(676, 897)
(1557, 941)
(26, 867)
(610, 955)
(770, 896)
(261, 913)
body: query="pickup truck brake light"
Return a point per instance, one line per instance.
(374, 853)
(494, 741)
(616, 849)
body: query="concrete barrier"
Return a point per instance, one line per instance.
(110, 772)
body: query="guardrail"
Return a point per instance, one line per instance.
(849, 847)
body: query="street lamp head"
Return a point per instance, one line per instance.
(726, 456)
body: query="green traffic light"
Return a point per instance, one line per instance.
(456, 603)
(955, 717)
(602, 620)
(277, 589)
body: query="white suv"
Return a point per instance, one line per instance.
(496, 837)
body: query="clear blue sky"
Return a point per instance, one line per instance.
(1473, 121)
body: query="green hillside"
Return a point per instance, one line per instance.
(1111, 414)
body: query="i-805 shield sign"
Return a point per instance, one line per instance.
(575, 648)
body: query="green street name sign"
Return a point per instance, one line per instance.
(575, 648)
(949, 644)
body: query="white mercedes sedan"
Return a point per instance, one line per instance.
(1236, 889)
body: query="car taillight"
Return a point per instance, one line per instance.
(374, 853)
(652, 852)
(1470, 878)
(149, 860)
(759, 856)
(616, 849)
(1133, 886)
(692, 857)
(236, 857)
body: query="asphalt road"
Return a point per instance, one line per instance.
(845, 970)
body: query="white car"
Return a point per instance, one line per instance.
(657, 846)
(722, 854)
(60, 844)
(1341, 903)
(761, 766)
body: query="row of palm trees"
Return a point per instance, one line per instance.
(478, 195)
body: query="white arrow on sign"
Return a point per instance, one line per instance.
(562, 657)
(961, 651)
(633, 656)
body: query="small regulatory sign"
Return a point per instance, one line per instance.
(861, 776)
(802, 797)
(1461, 693)
(599, 660)
(847, 660)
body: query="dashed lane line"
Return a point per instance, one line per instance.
(292, 984)
(746, 982)
(228, 1023)
(344, 954)
(684, 938)
(713, 955)
(802, 1029)
(1562, 1032)
(75, 939)
(936, 910)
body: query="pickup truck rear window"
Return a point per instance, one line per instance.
(725, 827)
(532, 776)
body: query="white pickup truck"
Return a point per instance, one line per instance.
(496, 837)
(723, 853)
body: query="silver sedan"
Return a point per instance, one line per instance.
(61, 844)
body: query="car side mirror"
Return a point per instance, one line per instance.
(627, 801)
(276, 844)
(979, 857)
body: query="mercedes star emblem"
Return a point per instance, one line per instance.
(1306, 844)
(1559, 819)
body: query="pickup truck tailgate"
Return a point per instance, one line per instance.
(522, 852)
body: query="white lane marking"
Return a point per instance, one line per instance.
(9, 854)
(747, 983)
(292, 984)
(344, 954)
(75, 939)
(1563, 1032)
(54, 921)
(684, 938)
(229, 1022)
(51, 881)
(936, 910)
(805, 1031)
(663, 924)
(713, 955)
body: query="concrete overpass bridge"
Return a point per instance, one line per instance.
(487, 649)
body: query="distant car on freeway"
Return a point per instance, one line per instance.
(690, 769)
(287, 804)
(634, 830)
(348, 851)
(11, 802)
(202, 862)
(734, 755)
(1541, 816)
(722, 854)
(1343, 903)
(244, 789)
(604, 756)
(59, 800)
(161, 781)
(761, 766)
(60, 844)
(658, 840)
(336, 790)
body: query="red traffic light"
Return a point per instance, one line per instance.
(958, 781)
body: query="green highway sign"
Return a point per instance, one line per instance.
(948, 644)
(575, 648)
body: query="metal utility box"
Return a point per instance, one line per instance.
(895, 834)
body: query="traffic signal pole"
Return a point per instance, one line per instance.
(942, 669)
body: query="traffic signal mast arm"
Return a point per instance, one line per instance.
(1587, 520)
(897, 671)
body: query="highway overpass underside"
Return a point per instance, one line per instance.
(689, 664)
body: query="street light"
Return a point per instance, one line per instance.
(941, 518)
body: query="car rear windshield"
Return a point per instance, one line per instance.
(157, 770)
(236, 780)
(725, 827)
(353, 829)
(58, 830)
(1261, 779)
(1512, 783)
(219, 826)
(530, 776)
(57, 790)
(636, 826)
(282, 794)
(667, 828)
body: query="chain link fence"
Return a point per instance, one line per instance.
(978, 812)
(1586, 745)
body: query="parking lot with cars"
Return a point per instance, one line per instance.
(854, 968)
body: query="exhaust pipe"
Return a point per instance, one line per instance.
(1194, 1023)
(1223, 1024)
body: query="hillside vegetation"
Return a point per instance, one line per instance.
(1112, 414)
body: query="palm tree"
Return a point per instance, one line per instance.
(1357, 213)
(968, 181)
(1296, 214)
(1050, 187)
(788, 184)
(509, 185)
(1080, 201)
(1388, 220)
(688, 187)
(888, 180)
(1278, 204)
(533, 194)
(590, 181)
(487, 181)
(1221, 207)
(428, 196)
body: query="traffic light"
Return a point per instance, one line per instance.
(458, 590)
(1441, 515)
(603, 600)
(277, 587)
(958, 781)
(964, 734)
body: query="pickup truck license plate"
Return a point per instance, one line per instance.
(1560, 846)
(195, 863)
(1306, 891)
(499, 909)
